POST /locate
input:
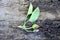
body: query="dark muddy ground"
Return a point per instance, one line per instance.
(50, 30)
(12, 12)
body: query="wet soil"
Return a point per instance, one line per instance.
(49, 30)
(12, 12)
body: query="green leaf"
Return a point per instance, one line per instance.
(34, 15)
(34, 26)
(30, 11)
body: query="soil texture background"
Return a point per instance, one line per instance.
(12, 12)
